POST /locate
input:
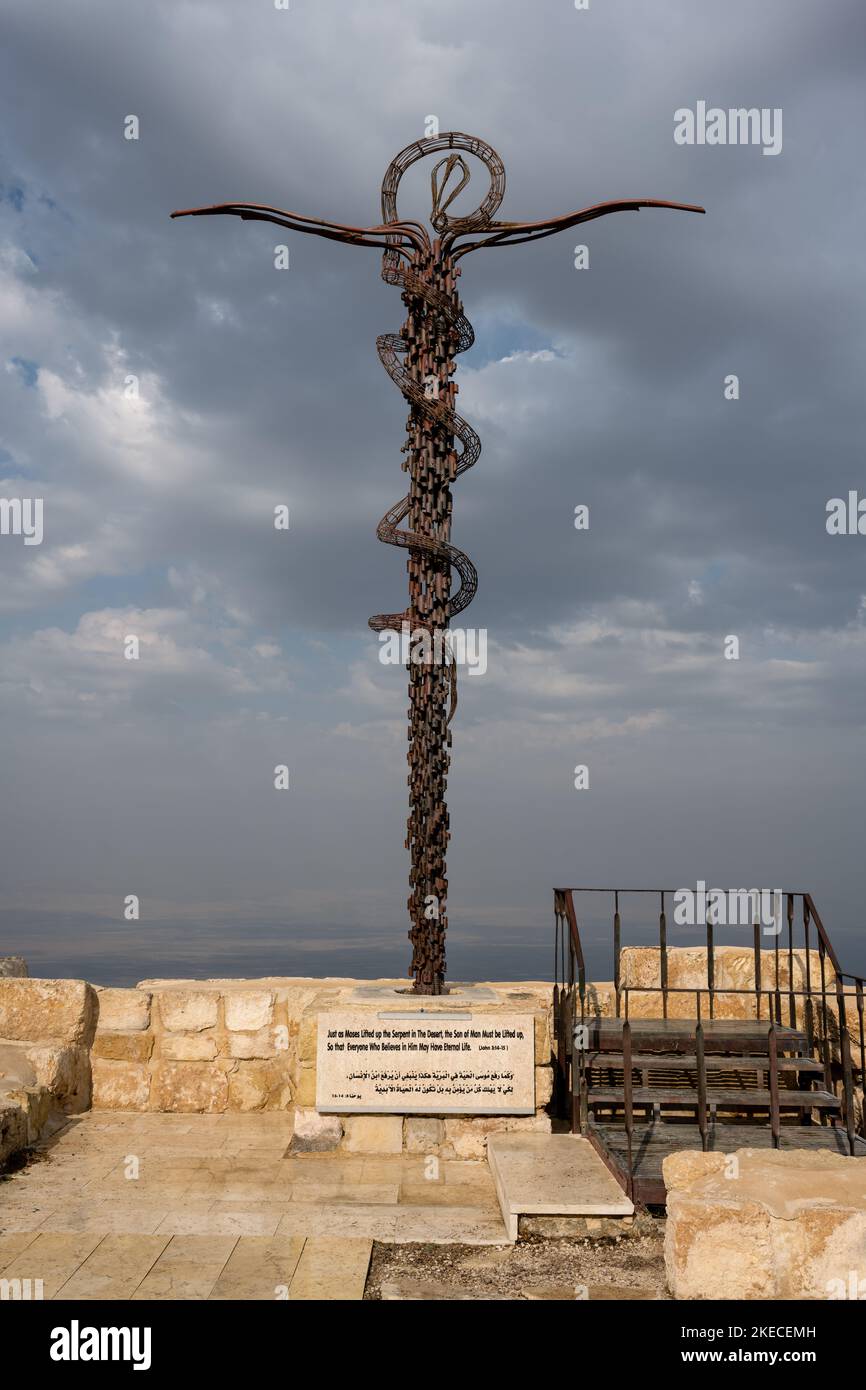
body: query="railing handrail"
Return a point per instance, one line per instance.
(815, 993)
(568, 903)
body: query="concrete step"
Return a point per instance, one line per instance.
(552, 1175)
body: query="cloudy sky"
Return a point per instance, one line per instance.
(603, 386)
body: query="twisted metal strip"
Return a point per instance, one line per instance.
(423, 352)
(392, 347)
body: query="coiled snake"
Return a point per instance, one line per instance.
(420, 361)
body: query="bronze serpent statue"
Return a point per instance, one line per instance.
(420, 361)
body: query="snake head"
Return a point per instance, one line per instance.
(438, 186)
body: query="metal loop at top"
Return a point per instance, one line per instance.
(440, 219)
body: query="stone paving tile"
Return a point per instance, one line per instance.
(130, 1218)
(223, 1219)
(188, 1268)
(331, 1268)
(333, 1219)
(115, 1269)
(426, 1194)
(449, 1226)
(203, 1197)
(53, 1258)
(393, 1169)
(12, 1245)
(382, 1194)
(331, 1171)
(24, 1217)
(259, 1268)
(227, 1178)
(472, 1174)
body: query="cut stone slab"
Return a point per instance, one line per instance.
(259, 1268)
(552, 1175)
(331, 1268)
(115, 1269)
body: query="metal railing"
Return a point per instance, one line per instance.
(818, 1007)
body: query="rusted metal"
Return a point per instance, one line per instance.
(845, 1055)
(663, 954)
(420, 360)
(792, 1007)
(701, 1066)
(778, 994)
(813, 1063)
(773, 1078)
(627, 1099)
(617, 949)
(807, 953)
(711, 966)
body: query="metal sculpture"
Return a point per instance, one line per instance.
(420, 361)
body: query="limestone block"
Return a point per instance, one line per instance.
(373, 1134)
(788, 1225)
(189, 1087)
(543, 1086)
(123, 1047)
(690, 1165)
(65, 1071)
(188, 1010)
(543, 1038)
(188, 1047)
(47, 1010)
(258, 1086)
(422, 1135)
(308, 1032)
(123, 1010)
(259, 1044)
(305, 1093)
(249, 1011)
(315, 1133)
(120, 1085)
(466, 1135)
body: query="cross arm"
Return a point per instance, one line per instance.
(514, 233)
(386, 237)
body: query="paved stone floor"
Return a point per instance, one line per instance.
(206, 1206)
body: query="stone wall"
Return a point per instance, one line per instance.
(197, 1047)
(248, 1045)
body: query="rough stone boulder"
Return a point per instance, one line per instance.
(46, 1031)
(764, 1224)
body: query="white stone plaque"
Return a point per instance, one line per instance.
(431, 1063)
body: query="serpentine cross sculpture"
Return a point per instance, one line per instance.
(420, 361)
